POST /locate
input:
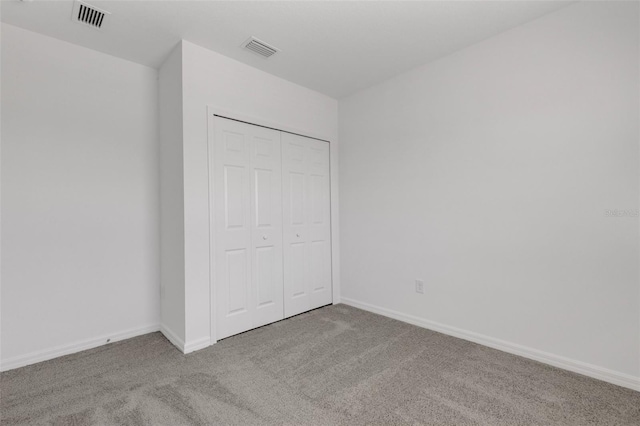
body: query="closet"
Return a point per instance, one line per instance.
(272, 231)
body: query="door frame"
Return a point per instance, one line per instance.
(213, 111)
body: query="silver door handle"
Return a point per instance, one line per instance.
(264, 237)
(298, 235)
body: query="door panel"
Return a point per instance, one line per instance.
(306, 224)
(263, 197)
(237, 282)
(317, 199)
(248, 276)
(298, 269)
(265, 277)
(266, 229)
(296, 180)
(318, 265)
(235, 194)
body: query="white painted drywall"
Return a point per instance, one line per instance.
(80, 196)
(210, 79)
(171, 198)
(487, 174)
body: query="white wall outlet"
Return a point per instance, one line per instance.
(420, 286)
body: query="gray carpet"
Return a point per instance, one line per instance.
(335, 365)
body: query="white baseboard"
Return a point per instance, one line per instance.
(183, 347)
(172, 337)
(58, 351)
(196, 345)
(617, 378)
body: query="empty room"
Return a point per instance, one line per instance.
(319, 212)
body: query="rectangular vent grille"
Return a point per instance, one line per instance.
(89, 15)
(260, 47)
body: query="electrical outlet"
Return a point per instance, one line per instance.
(420, 286)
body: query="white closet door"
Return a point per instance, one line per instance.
(266, 231)
(306, 221)
(248, 221)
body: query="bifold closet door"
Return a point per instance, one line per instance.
(248, 222)
(306, 222)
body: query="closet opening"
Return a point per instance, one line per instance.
(271, 225)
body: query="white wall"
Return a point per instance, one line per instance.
(171, 198)
(487, 174)
(212, 79)
(80, 193)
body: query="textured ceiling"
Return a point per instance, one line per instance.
(336, 48)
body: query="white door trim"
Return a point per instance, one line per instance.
(212, 111)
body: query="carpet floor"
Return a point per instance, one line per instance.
(333, 366)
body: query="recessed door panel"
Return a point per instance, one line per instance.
(234, 196)
(264, 197)
(318, 265)
(234, 143)
(298, 273)
(297, 152)
(264, 147)
(237, 282)
(266, 280)
(317, 199)
(317, 156)
(296, 181)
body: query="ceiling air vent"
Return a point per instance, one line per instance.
(89, 15)
(260, 47)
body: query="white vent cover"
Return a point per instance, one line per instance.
(89, 15)
(260, 47)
